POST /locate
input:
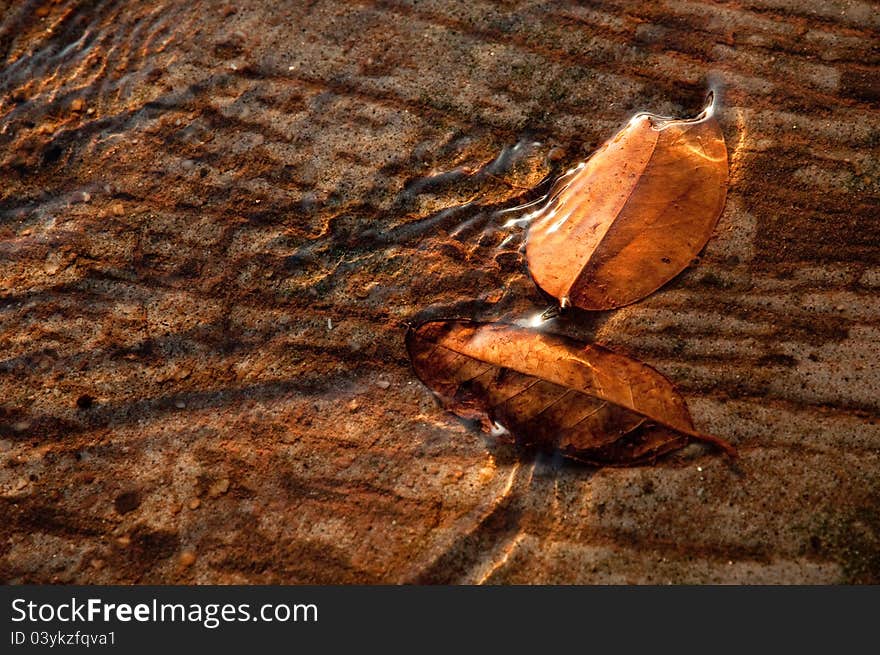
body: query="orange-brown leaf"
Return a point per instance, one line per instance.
(634, 215)
(545, 390)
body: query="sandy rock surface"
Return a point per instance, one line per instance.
(216, 221)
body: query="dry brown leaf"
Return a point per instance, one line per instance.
(591, 404)
(634, 215)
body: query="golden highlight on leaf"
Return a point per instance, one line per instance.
(634, 215)
(591, 404)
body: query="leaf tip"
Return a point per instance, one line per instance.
(725, 446)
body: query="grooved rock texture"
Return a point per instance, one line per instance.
(217, 219)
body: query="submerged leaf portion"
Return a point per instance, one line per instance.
(634, 215)
(591, 404)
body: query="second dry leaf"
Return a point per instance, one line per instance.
(591, 404)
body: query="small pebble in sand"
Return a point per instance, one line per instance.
(218, 488)
(495, 295)
(78, 104)
(383, 384)
(555, 154)
(117, 209)
(124, 541)
(97, 564)
(354, 405)
(194, 503)
(179, 404)
(52, 265)
(187, 558)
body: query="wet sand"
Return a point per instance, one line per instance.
(217, 220)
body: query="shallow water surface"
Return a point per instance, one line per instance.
(217, 219)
